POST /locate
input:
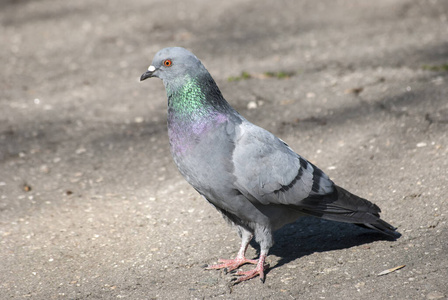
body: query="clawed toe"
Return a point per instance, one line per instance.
(230, 265)
(246, 275)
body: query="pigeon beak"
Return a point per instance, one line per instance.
(148, 73)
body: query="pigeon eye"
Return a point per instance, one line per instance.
(167, 62)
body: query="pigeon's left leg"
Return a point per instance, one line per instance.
(232, 264)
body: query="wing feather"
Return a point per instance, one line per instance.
(268, 170)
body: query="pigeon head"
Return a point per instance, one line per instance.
(189, 86)
(173, 65)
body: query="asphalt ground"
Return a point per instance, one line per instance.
(92, 206)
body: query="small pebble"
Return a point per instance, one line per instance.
(252, 105)
(435, 295)
(80, 150)
(45, 169)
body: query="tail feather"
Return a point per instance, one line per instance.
(343, 206)
(384, 227)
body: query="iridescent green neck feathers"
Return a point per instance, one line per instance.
(195, 107)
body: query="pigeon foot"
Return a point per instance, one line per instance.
(232, 264)
(258, 271)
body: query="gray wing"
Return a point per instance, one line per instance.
(269, 172)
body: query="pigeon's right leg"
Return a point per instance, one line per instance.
(240, 259)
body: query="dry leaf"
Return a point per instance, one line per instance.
(385, 272)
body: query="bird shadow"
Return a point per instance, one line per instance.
(309, 235)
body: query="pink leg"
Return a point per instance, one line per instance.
(259, 270)
(232, 264)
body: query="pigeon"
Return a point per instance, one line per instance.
(253, 178)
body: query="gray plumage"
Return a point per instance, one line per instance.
(252, 177)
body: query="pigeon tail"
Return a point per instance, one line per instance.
(343, 206)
